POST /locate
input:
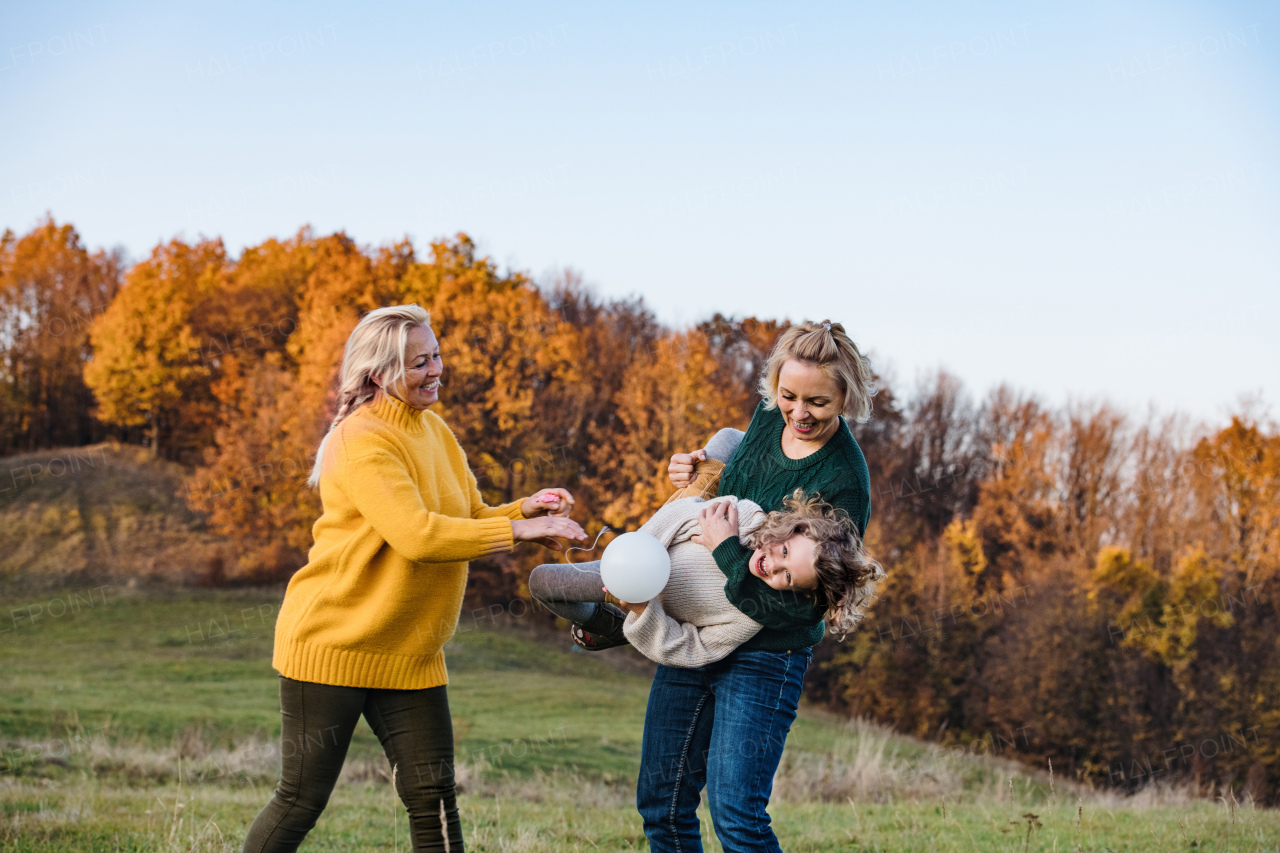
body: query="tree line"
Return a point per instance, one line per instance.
(1065, 584)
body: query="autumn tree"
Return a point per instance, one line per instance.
(613, 334)
(147, 366)
(274, 334)
(512, 366)
(1093, 472)
(51, 290)
(670, 401)
(942, 453)
(1227, 593)
(1159, 501)
(1015, 513)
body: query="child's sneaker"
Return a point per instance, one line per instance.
(601, 631)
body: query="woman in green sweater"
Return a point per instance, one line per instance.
(724, 725)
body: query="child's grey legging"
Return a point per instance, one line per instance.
(574, 591)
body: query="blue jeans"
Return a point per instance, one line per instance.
(721, 726)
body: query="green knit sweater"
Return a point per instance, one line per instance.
(761, 472)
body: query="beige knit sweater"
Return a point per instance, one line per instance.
(691, 623)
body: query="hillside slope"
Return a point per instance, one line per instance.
(105, 512)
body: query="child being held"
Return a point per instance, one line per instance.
(807, 549)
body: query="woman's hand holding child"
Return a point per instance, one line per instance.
(719, 521)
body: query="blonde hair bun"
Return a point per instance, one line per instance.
(827, 346)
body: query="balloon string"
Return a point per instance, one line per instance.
(603, 531)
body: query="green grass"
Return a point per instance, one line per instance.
(148, 722)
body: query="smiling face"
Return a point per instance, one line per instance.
(810, 402)
(420, 386)
(786, 565)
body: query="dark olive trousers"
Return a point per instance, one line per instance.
(416, 732)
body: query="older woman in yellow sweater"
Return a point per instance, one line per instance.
(363, 623)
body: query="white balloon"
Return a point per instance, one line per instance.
(635, 567)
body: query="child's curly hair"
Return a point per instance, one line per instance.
(847, 575)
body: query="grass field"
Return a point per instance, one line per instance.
(132, 722)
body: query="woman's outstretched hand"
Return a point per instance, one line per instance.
(547, 502)
(681, 468)
(547, 530)
(719, 521)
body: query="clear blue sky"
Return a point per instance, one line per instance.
(1077, 198)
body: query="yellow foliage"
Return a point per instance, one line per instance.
(1118, 573)
(1194, 596)
(1162, 618)
(964, 546)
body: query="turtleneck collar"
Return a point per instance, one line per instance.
(399, 414)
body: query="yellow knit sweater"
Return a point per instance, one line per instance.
(382, 588)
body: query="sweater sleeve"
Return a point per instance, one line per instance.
(379, 484)
(664, 640)
(854, 502)
(675, 521)
(853, 494)
(480, 509)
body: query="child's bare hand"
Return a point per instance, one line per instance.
(719, 521)
(627, 606)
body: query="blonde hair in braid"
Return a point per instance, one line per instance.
(375, 348)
